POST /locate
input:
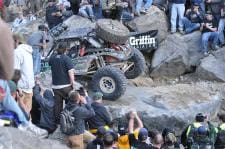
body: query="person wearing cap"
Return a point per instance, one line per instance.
(193, 19)
(209, 33)
(98, 142)
(82, 110)
(220, 140)
(24, 63)
(102, 117)
(62, 69)
(137, 137)
(201, 121)
(38, 42)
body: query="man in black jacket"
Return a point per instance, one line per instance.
(102, 117)
(193, 19)
(83, 111)
(53, 14)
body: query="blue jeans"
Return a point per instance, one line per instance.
(9, 103)
(220, 30)
(36, 61)
(86, 11)
(98, 12)
(177, 10)
(189, 26)
(139, 3)
(213, 36)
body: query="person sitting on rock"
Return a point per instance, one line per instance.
(209, 33)
(53, 14)
(65, 7)
(86, 10)
(138, 6)
(102, 117)
(20, 20)
(193, 19)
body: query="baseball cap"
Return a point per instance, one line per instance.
(101, 131)
(143, 134)
(12, 86)
(97, 96)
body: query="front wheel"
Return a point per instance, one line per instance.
(138, 65)
(110, 81)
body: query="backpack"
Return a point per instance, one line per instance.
(9, 118)
(200, 138)
(220, 137)
(67, 121)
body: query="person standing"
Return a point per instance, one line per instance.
(24, 63)
(62, 78)
(178, 9)
(38, 42)
(222, 24)
(81, 110)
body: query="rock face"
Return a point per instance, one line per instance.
(212, 67)
(154, 20)
(176, 55)
(172, 106)
(171, 59)
(76, 21)
(16, 139)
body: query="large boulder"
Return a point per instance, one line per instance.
(173, 106)
(176, 55)
(76, 21)
(16, 139)
(212, 67)
(154, 20)
(171, 58)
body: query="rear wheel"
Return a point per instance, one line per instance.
(110, 81)
(138, 62)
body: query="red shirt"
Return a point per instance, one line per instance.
(1, 4)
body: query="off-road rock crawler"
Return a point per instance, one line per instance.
(106, 63)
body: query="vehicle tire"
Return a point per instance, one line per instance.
(112, 31)
(110, 81)
(139, 65)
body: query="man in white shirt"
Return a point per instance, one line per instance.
(24, 63)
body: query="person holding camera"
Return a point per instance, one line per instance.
(102, 117)
(201, 133)
(83, 110)
(220, 140)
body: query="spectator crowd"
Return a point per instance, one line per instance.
(84, 120)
